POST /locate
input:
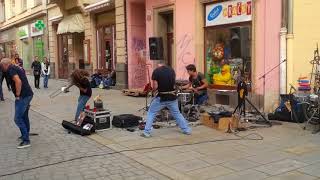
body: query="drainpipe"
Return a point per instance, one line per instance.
(290, 37)
(283, 56)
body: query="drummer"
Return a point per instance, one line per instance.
(198, 84)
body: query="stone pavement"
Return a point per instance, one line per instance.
(55, 145)
(286, 152)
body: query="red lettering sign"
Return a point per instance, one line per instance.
(230, 11)
(239, 7)
(249, 8)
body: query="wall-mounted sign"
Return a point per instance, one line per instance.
(228, 12)
(23, 32)
(35, 31)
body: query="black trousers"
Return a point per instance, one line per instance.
(36, 81)
(4, 76)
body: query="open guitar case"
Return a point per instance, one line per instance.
(71, 127)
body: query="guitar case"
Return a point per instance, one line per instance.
(71, 127)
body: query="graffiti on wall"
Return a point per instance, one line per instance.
(138, 65)
(184, 54)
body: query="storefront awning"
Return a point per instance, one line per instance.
(71, 24)
(98, 5)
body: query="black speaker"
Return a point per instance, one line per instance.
(156, 48)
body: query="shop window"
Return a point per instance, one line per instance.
(228, 55)
(38, 47)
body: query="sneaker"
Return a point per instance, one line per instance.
(145, 135)
(186, 133)
(23, 145)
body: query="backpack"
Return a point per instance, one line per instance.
(126, 120)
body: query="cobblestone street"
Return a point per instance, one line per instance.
(54, 145)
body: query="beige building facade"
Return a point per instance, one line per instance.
(23, 29)
(88, 35)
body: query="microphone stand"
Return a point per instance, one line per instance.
(264, 78)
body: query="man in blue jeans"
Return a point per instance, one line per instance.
(163, 80)
(23, 93)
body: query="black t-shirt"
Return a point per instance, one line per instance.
(25, 87)
(86, 85)
(197, 82)
(36, 65)
(166, 78)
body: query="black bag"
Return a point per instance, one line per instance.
(79, 129)
(126, 120)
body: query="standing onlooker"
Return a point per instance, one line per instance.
(18, 61)
(36, 66)
(45, 68)
(23, 93)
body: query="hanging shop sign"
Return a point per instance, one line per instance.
(228, 12)
(37, 29)
(23, 32)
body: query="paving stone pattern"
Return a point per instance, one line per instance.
(54, 145)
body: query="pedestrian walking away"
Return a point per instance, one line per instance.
(163, 81)
(45, 69)
(36, 66)
(23, 94)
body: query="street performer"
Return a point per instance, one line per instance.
(163, 81)
(80, 79)
(198, 84)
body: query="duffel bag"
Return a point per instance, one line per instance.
(126, 120)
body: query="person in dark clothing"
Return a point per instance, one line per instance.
(80, 79)
(198, 84)
(163, 80)
(36, 66)
(1, 93)
(23, 93)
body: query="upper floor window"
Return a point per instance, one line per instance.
(2, 11)
(12, 8)
(37, 2)
(23, 5)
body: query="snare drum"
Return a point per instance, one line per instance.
(184, 97)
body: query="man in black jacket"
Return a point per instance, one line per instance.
(36, 66)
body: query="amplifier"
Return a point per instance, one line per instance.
(101, 118)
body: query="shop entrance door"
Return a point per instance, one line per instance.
(106, 51)
(63, 56)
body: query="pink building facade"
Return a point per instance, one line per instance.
(246, 31)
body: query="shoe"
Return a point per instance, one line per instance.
(1, 99)
(145, 135)
(186, 133)
(19, 138)
(23, 145)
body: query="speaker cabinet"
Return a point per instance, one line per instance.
(156, 48)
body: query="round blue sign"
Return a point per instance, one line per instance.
(214, 13)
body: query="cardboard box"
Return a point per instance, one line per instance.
(223, 124)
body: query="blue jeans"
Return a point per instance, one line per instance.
(21, 116)
(45, 81)
(201, 99)
(82, 101)
(156, 106)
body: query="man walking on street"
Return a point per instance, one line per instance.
(23, 93)
(36, 66)
(163, 80)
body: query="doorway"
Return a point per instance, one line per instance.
(63, 56)
(165, 29)
(106, 50)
